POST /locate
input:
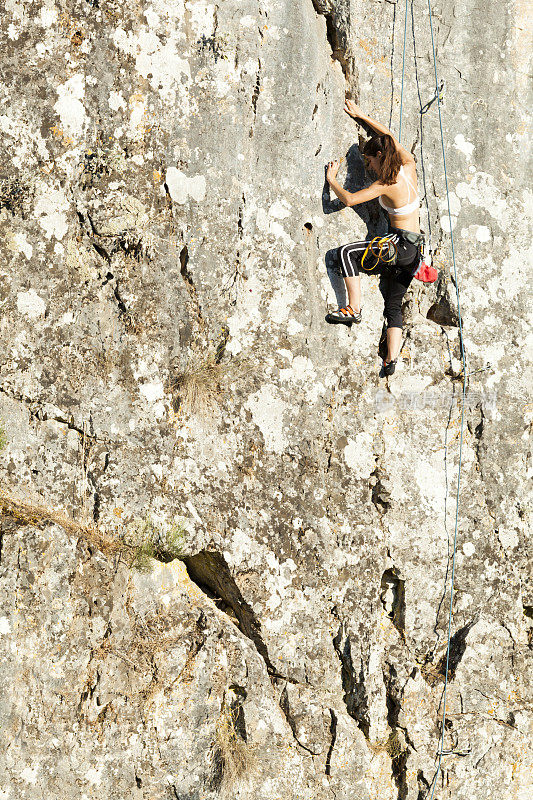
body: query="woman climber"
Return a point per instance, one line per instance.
(394, 257)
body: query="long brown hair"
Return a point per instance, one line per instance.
(390, 159)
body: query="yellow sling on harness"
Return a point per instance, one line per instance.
(385, 255)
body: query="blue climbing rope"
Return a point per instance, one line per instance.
(441, 750)
(463, 360)
(403, 73)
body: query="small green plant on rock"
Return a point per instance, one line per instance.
(151, 541)
(3, 440)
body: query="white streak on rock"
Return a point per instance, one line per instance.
(181, 187)
(269, 226)
(152, 18)
(432, 490)
(282, 301)
(455, 204)
(30, 304)
(359, 455)
(279, 210)
(16, 9)
(48, 15)
(51, 206)
(267, 410)
(94, 776)
(156, 61)
(248, 21)
(116, 101)
(5, 627)
(483, 233)
(192, 510)
(294, 327)
(18, 243)
(161, 62)
(508, 538)
(69, 107)
(153, 391)
(483, 192)
(202, 17)
(448, 223)
(460, 143)
(29, 775)
(7, 125)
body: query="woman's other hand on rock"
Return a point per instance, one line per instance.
(351, 109)
(333, 168)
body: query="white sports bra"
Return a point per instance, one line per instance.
(410, 206)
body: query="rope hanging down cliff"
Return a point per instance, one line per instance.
(438, 98)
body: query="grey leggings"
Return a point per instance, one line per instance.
(394, 280)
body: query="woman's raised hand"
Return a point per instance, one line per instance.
(333, 168)
(351, 109)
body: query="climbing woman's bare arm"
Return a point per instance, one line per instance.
(352, 198)
(355, 112)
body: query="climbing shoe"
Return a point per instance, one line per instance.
(344, 316)
(388, 368)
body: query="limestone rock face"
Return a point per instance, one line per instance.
(167, 261)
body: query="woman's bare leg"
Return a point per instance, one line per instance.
(353, 287)
(394, 341)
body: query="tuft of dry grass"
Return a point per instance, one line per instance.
(29, 513)
(197, 390)
(231, 755)
(431, 674)
(142, 543)
(392, 745)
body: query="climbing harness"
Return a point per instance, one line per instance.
(386, 254)
(438, 99)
